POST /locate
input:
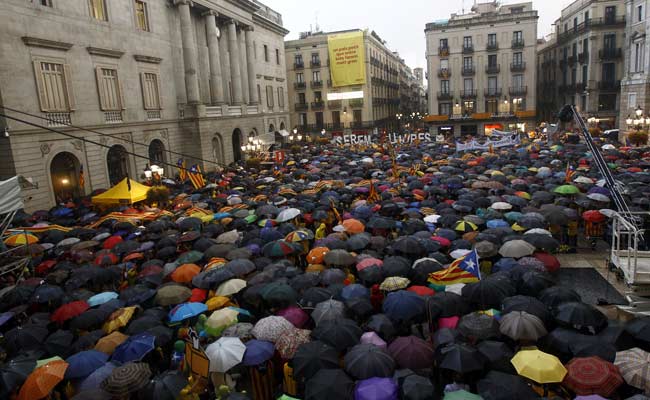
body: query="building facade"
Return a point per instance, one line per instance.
(481, 70)
(582, 63)
(309, 83)
(635, 86)
(141, 82)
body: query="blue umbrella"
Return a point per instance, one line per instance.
(221, 215)
(62, 212)
(101, 298)
(84, 363)
(504, 264)
(97, 377)
(354, 290)
(134, 348)
(257, 352)
(403, 305)
(186, 310)
(6, 316)
(241, 311)
(497, 223)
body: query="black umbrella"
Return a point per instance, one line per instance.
(478, 326)
(408, 246)
(314, 295)
(90, 319)
(329, 384)
(497, 354)
(556, 295)
(312, 357)
(371, 275)
(382, 326)
(46, 293)
(461, 358)
(639, 328)
(340, 333)
(528, 304)
(20, 294)
(87, 341)
(489, 292)
(27, 337)
(212, 277)
(366, 360)
(58, 343)
(360, 307)
(166, 386)
(446, 304)
(14, 372)
(534, 282)
(416, 387)
(499, 386)
(581, 317)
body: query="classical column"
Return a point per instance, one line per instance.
(244, 70)
(225, 63)
(216, 80)
(235, 60)
(250, 65)
(189, 52)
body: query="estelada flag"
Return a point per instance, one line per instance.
(568, 174)
(373, 196)
(182, 170)
(196, 177)
(462, 270)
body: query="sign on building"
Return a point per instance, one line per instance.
(347, 59)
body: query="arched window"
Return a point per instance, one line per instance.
(64, 173)
(217, 149)
(236, 144)
(118, 164)
(282, 127)
(156, 153)
(271, 128)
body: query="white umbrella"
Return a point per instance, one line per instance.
(598, 197)
(229, 237)
(540, 231)
(233, 200)
(501, 205)
(458, 253)
(288, 214)
(225, 353)
(432, 219)
(516, 249)
(583, 179)
(608, 146)
(230, 287)
(607, 212)
(367, 160)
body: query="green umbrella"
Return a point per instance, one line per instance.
(566, 189)
(461, 395)
(251, 218)
(190, 257)
(285, 397)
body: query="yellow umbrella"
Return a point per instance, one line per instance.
(539, 366)
(217, 302)
(108, 343)
(230, 287)
(20, 239)
(220, 320)
(517, 228)
(118, 319)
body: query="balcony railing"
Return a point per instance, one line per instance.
(517, 66)
(492, 46)
(468, 70)
(609, 86)
(300, 85)
(445, 96)
(612, 53)
(317, 105)
(302, 106)
(518, 90)
(583, 57)
(358, 103)
(518, 43)
(334, 104)
(314, 63)
(444, 73)
(468, 94)
(362, 124)
(443, 51)
(492, 92)
(316, 84)
(468, 48)
(492, 69)
(299, 65)
(549, 63)
(588, 24)
(333, 126)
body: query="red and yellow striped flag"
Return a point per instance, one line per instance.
(196, 177)
(459, 271)
(336, 212)
(373, 195)
(182, 169)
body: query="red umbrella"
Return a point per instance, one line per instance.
(106, 259)
(69, 310)
(45, 266)
(592, 375)
(551, 263)
(112, 242)
(198, 295)
(593, 216)
(150, 270)
(421, 290)
(444, 242)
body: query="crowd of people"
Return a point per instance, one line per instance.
(367, 272)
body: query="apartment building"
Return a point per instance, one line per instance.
(635, 85)
(481, 70)
(134, 82)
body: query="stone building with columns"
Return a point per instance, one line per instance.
(109, 87)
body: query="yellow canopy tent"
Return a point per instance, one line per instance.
(125, 192)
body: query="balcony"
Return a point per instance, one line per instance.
(443, 51)
(609, 86)
(518, 90)
(518, 44)
(334, 126)
(316, 84)
(613, 53)
(444, 73)
(357, 103)
(362, 124)
(549, 63)
(492, 46)
(317, 105)
(492, 69)
(589, 24)
(583, 58)
(468, 48)
(302, 106)
(445, 95)
(492, 92)
(314, 63)
(300, 85)
(334, 104)
(299, 65)
(517, 66)
(468, 94)
(468, 70)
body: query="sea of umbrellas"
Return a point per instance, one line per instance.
(312, 280)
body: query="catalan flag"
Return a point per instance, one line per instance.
(462, 270)
(82, 179)
(568, 174)
(182, 169)
(196, 177)
(373, 195)
(336, 212)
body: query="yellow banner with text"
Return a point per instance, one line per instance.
(347, 59)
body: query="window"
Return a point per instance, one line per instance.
(444, 43)
(517, 10)
(575, 23)
(280, 98)
(259, 93)
(609, 41)
(517, 58)
(110, 91)
(467, 63)
(141, 17)
(336, 117)
(585, 75)
(315, 76)
(150, 90)
(638, 50)
(609, 72)
(468, 107)
(574, 76)
(356, 116)
(46, 3)
(266, 53)
(315, 58)
(301, 98)
(98, 10)
(574, 50)
(585, 46)
(606, 102)
(444, 87)
(444, 109)
(639, 13)
(468, 84)
(444, 64)
(298, 59)
(492, 39)
(319, 120)
(54, 86)
(518, 104)
(492, 84)
(610, 14)
(492, 60)
(302, 119)
(269, 96)
(517, 36)
(277, 56)
(318, 97)
(300, 77)
(492, 106)
(518, 81)
(467, 42)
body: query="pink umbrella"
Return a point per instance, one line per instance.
(444, 242)
(295, 315)
(373, 338)
(369, 262)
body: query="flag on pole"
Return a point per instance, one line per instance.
(182, 170)
(568, 174)
(196, 177)
(373, 195)
(82, 179)
(336, 212)
(462, 270)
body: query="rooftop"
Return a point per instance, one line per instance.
(486, 13)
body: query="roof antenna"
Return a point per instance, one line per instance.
(316, 18)
(462, 7)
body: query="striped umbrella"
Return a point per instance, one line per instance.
(634, 365)
(592, 375)
(21, 239)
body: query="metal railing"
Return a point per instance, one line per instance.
(445, 95)
(492, 69)
(492, 46)
(492, 92)
(518, 90)
(468, 70)
(302, 106)
(468, 94)
(299, 85)
(468, 48)
(518, 43)
(316, 84)
(610, 53)
(517, 66)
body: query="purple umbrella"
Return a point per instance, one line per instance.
(376, 389)
(295, 315)
(257, 352)
(599, 190)
(411, 352)
(373, 338)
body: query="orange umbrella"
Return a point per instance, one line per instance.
(20, 239)
(185, 273)
(108, 343)
(316, 255)
(133, 256)
(42, 380)
(353, 226)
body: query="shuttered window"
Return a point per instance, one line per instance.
(98, 10)
(54, 86)
(150, 91)
(280, 98)
(269, 96)
(109, 88)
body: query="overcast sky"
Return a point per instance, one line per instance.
(399, 22)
